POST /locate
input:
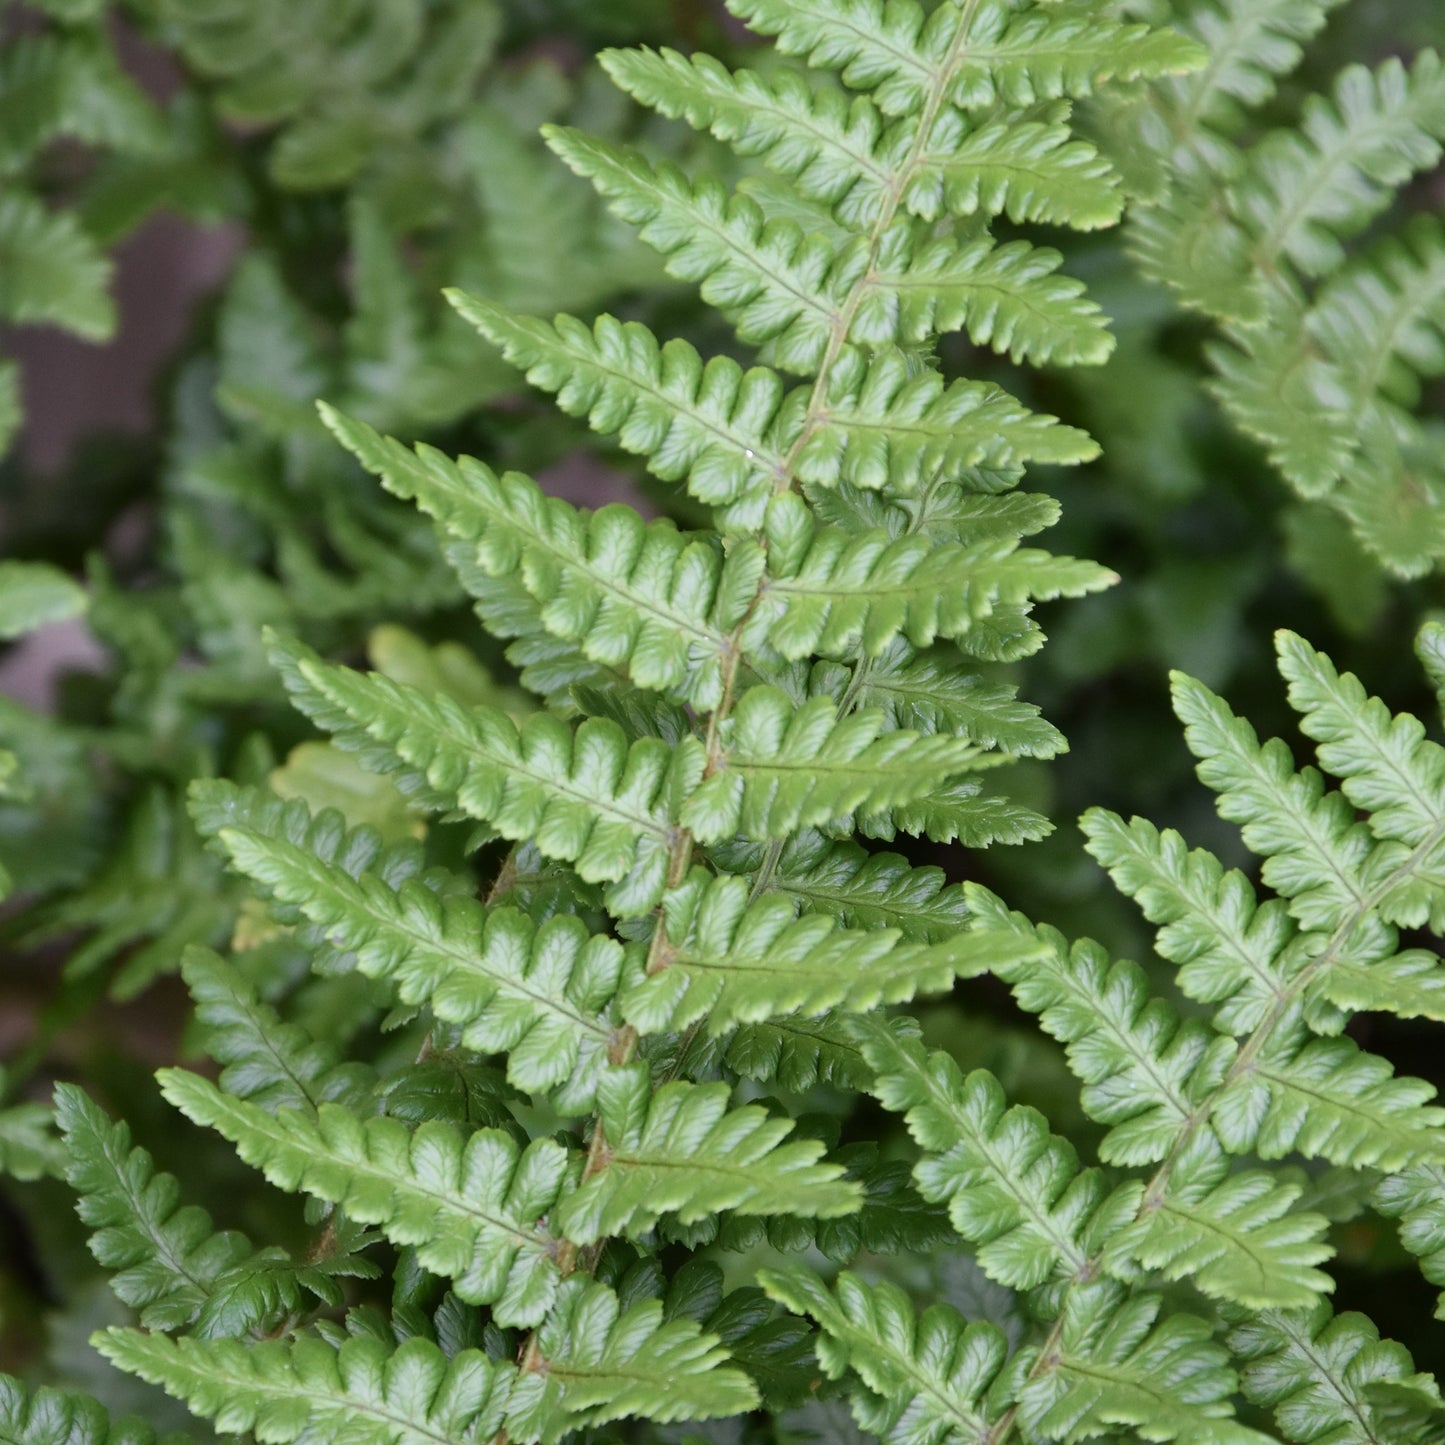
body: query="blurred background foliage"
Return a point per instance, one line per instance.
(342, 160)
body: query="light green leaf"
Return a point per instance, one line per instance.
(289, 1390)
(733, 961)
(473, 1206)
(680, 1149)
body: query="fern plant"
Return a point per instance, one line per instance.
(1327, 339)
(1258, 1069)
(680, 905)
(550, 1039)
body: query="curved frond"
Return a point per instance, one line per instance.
(599, 1361)
(787, 287)
(970, 55)
(473, 1206)
(783, 768)
(681, 1149)
(1012, 1188)
(633, 595)
(167, 1258)
(1387, 766)
(540, 993)
(734, 961)
(45, 1416)
(583, 795)
(1316, 855)
(711, 422)
(301, 1389)
(1229, 946)
(866, 590)
(1143, 1066)
(1331, 1377)
(929, 1378)
(841, 150)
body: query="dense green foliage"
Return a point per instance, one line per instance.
(590, 951)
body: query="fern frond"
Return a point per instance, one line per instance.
(600, 1362)
(1387, 767)
(1237, 1237)
(785, 287)
(1143, 1066)
(1250, 43)
(784, 768)
(166, 1258)
(1305, 189)
(774, 283)
(1331, 1377)
(843, 152)
(45, 1416)
(268, 1061)
(1006, 297)
(796, 1054)
(633, 595)
(473, 1206)
(865, 590)
(930, 1378)
(1327, 1099)
(969, 56)
(888, 424)
(583, 795)
(1320, 379)
(1300, 192)
(709, 422)
(541, 993)
(1227, 944)
(1316, 854)
(596, 1362)
(1012, 1188)
(739, 438)
(931, 693)
(1118, 1364)
(733, 961)
(680, 1149)
(961, 811)
(869, 890)
(301, 1389)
